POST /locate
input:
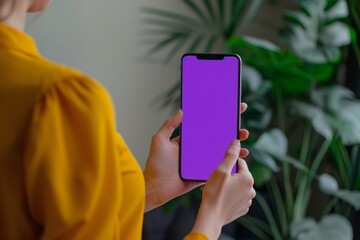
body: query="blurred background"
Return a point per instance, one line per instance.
(301, 79)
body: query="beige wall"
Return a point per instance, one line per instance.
(101, 38)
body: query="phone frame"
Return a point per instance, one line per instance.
(210, 56)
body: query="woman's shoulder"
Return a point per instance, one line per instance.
(69, 81)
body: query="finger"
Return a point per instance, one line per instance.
(170, 124)
(244, 152)
(231, 156)
(244, 134)
(176, 140)
(243, 107)
(252, 193)
(242, 166)
(192, 185)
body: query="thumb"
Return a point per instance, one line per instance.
(242, 166)
(231, 156)
(170, 124)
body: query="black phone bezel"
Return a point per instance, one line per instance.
(210, 56)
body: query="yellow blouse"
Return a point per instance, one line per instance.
(65, 173)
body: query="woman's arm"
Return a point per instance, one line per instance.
(226, 196)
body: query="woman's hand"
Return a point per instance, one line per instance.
(162, 180)
(226, 196)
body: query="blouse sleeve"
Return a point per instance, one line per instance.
(72, 176)
(196, 236)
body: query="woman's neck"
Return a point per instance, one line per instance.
(17, 17)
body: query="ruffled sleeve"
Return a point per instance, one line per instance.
(196, 236)
(72, 176)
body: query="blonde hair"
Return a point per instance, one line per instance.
(4, 16)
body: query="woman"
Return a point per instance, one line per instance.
(64, 171)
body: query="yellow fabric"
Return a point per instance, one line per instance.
(196, 236)
(64, 171)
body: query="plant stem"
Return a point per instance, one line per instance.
(342, 161)
(302, 198)
(329, 206)
(355, 159)
(357, 52)
(318, 159)
(280, 108)
(250, 224)
(261, 225)
(299, 210)
(304, 151)
(286, 170)
(270, 217)
(274, 190)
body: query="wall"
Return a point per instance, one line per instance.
(101, 38)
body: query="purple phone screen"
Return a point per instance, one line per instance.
(210, 102)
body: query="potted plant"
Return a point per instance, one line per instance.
(305, 127)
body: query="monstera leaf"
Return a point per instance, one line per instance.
(274, 145)
(331, 227)
(315, 33)
(279, 65)
(333, 109)
(329, 185)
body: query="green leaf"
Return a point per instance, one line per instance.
(272, 142)
(294, 75)
(260, 173)
(315, 33)
(165, 42)
(261, 43)
(171, 16)
(251, 78)
(338, 10)
(342, 110)
(210, 10)
(334, 110)
(336, 34)
(251, 12)
(329, 185)
(351, 197)
(265, 159)
(237, 10)
(319, 120)
(196, 9)
(331, 227)
(221, 13)
(320, 72)
(210, 22)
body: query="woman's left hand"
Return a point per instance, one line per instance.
(162, 180)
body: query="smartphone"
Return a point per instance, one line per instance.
(210, 101)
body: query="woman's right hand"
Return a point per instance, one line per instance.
(226, 196)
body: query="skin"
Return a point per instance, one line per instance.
(162, 179)
(226, 196)
(18, 15)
